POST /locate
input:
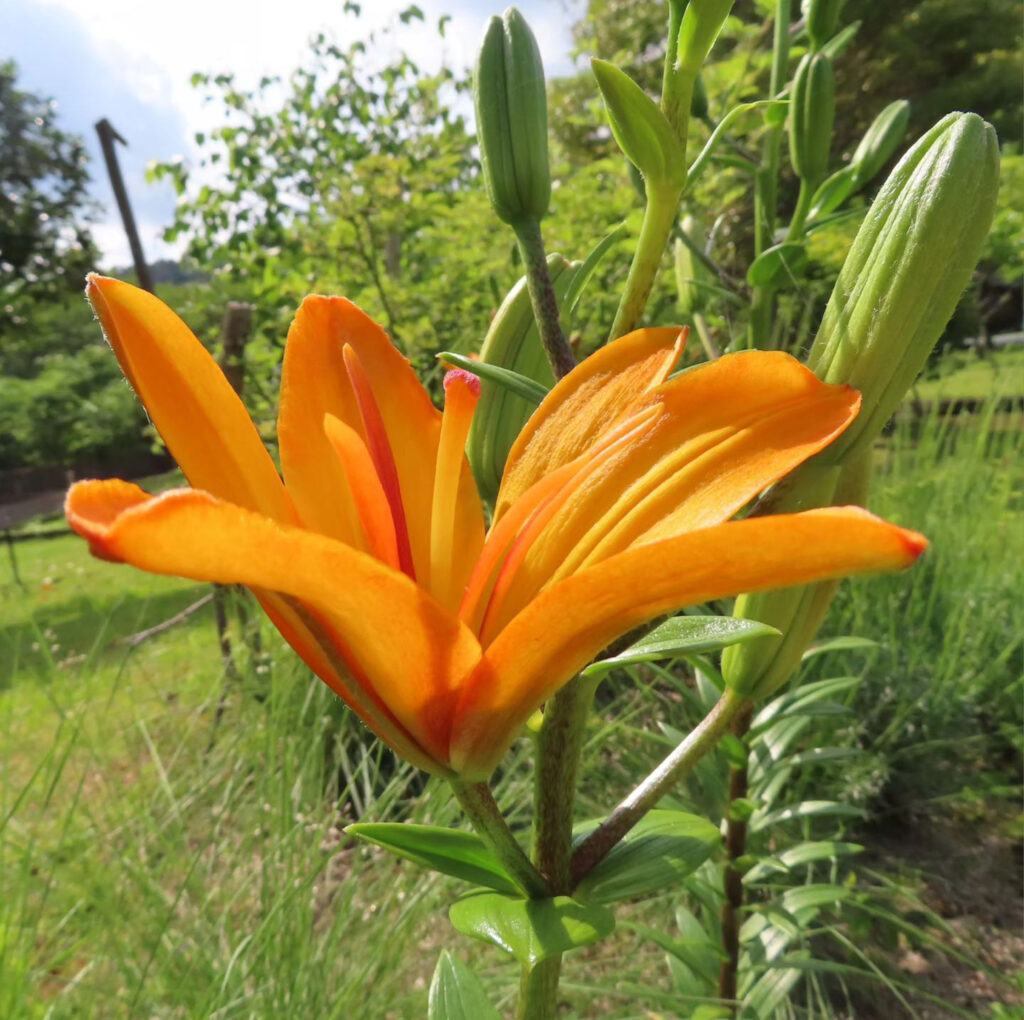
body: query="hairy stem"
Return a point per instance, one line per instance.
(678, 764)
(542, 297)
(735, 848)
(559, 744)
(480, 807)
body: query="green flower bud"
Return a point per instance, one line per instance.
(812, 111)
(702, 21)
(512, 342)
(906, 270)
(822, 20)
(880, 142)
(757, 668)
(640, 128)
(512, 119)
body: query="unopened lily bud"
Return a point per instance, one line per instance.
(702, 21)
(909, 264)
(812, 110)
(512, 119)
(880, 142)
(757, 668)
(822, 20)
(512, 342)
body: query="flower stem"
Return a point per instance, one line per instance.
(480, 807)
(559, 745)
(735, 848)
(803, 207)
(766, 184)
(659, 216)
(542, 297)
(697, 744)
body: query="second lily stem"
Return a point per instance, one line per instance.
(735, 848)
(698, 743)
(542, 297)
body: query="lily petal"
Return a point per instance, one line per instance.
(566, 625)
(200, 417)
(394, 638)
(612, 383)
(315, 383)
(725, 431)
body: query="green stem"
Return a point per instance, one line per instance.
(803, 207)
(697, 744)
(659, 217)
(735, 848)
(559, 745)
(766, 183)
(542, 297)
(480, 807)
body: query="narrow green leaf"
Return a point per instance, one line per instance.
(779, 265)
(799, 855)
(806, 809)
(456, 993)
(581, 277)
(531, 930)
(813, 896)
(792, 701)
(833, 192)
(841, 40)
(840, 644)
(450, 851)
(662, 848)
(700, 164)
(520, 385)
(684, 635)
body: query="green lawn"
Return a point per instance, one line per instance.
(965, 374)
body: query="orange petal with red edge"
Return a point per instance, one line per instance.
(561, 630)
(315, 383)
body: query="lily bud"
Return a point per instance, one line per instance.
(880, 142)
(812, 111)
(908, 265)
(512, 119)
(512, 342)
(822, 20)
(757, 668)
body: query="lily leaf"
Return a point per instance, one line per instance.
(840, 644)
(581, 277)
(450, 851)
(778, 265)
(662, 848)
(521, 385)
(684, 635)
(531, 930)
(456, 993)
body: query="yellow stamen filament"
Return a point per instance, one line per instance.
(462, 390)
(368, 494)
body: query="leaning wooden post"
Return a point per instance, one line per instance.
(107, 138)
(236, 326)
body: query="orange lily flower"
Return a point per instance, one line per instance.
(371, 557)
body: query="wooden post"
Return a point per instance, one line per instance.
(107, 138)
(236, 326)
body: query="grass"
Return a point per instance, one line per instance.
(966, 374)
(153, 864)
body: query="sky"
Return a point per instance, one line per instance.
(130, 61)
